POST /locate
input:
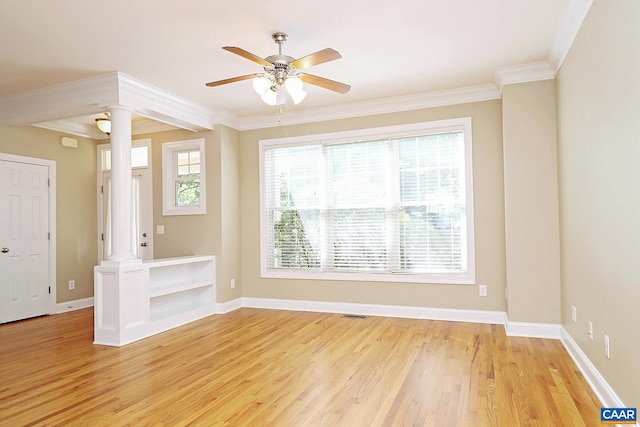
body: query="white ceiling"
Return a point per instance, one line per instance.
(389, 49)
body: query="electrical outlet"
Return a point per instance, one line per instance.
(607, 347)
(574, 313)
(72, 284)
(482, 290)
(233, 283)
(590, 329)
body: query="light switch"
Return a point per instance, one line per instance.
(160, 229)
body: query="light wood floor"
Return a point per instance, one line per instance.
(279, 368)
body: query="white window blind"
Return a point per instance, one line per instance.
(393, 205)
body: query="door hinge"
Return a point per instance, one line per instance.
(49, 289)
(48, 182)
(102, 189)
(102, 236)
(49, 236)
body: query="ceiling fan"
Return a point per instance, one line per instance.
(282, 73)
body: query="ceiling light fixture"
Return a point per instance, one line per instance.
(104, 123)
(282, 74)
(273, 92)
(279, 78)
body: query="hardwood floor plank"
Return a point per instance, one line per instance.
(280, 368)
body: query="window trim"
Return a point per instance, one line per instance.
(463, 123)
(169, 177)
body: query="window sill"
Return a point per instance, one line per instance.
(184, 211)
(453, 279)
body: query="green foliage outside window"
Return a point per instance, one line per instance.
(188, 193)
(292, 246)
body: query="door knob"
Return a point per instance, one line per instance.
(5, 250)
(143, 244)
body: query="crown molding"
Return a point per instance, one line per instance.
(545, 70)
(368, 108)
(227, 119)
(96, 95)
(524, 73)
(570, 25)
(61, 101)
(157, 104)
(50, 107)
(542, 70)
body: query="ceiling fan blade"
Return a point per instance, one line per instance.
(232, 80)
(250, 56)
(325, 83)
(320, 57)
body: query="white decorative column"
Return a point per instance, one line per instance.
(121, 208)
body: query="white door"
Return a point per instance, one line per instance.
(142, 216)
(24, 241)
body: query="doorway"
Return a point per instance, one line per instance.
(142, 201)
(27, 237)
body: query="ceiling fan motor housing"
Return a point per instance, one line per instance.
(281, 68)
(281, 63)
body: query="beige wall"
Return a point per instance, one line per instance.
(76, 236)
(531, 202)
(229, 256)
(488, 207)
(216, 232)
(187, 234)
(598, 91)
(597, 95)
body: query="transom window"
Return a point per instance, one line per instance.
(139, 157)
(381, 204)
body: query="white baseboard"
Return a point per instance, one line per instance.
(229, 306)
(599, 385)
(77, 304)
(473, 316)
(532, 330)
(601, 388)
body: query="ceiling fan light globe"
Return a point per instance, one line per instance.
(261, 84)
(281, 96)
(269, 97)
(298, 96)
(295, 88)
(294, 85)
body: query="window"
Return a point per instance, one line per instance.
(139, 155)
(183, 178)
(392, 204)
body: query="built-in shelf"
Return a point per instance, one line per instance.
(134, 301)
(178, 287)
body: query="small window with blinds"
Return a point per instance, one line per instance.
(387, 204)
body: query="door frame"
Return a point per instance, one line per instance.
(51, 166)
(100, 220)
